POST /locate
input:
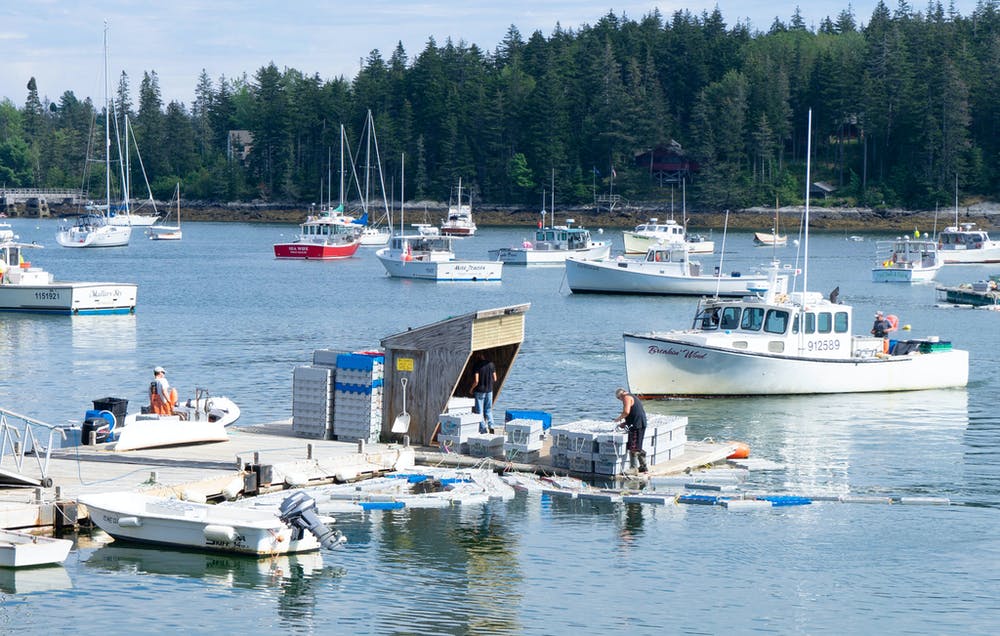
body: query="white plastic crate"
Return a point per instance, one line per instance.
(453, 443)
(461, 423)
(459, 405)
(486, 445)
(525, 432)
(616, 466)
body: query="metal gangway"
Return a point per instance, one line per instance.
(25, 440)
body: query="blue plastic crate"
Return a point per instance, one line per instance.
(542, 416)
(359, 361)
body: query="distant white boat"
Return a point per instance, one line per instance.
(665, 270)
(965, 243)
(163, 231)
(21, 549)
(553, 245)
(96, 229)
(906, 260)
(132, 516)
(432, 258)
(646, 235)
(459, 221)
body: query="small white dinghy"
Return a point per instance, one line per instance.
(198, 420)
(295, 527)
(21, 549)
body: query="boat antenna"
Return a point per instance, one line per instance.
(722, 254)
(553, 210)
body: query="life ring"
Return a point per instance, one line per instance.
(893, 322)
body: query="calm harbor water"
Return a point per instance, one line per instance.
(219, 312)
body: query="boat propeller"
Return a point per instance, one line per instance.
(298, 512)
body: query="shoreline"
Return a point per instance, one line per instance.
(984, 214)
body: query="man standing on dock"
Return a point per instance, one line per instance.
(484, 376)
(633, 419)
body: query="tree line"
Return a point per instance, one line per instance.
(905, 111)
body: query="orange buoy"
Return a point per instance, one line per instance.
(742, 451)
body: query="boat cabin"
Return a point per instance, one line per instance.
(669, 231)
(817, 327)
(422, 247)
(325, 228)
(667, 254)
(562, 238)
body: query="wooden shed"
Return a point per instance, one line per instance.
(437, 359)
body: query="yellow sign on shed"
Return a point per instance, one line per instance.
(404, 364)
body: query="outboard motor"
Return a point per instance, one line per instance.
(298, 512)
(100, 423)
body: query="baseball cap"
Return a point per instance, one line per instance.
(159, 370)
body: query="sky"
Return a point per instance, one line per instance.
(60, 42)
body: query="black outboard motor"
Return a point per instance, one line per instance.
(298, 512)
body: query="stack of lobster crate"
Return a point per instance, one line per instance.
(590, 446)
(357, 402)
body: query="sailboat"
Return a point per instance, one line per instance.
(771, 238)
(127, 215)
(459, 221)
(774, 343)
(378, 233)
(93, 229)
(164, 232)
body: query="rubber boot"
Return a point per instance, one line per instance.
(631, 460)
(642, 462)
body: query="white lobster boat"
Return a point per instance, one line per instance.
(553, 245)
(669, 233)
(964, 243)
(131, 516)
(432, 258)
(776, 344)
(906, 260)
(27, 288)
(665, 270)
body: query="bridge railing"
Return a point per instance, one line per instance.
(23, 437)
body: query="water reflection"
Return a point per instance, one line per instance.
(285, 572)
(27, 581)
(104, 333)
(910, 443)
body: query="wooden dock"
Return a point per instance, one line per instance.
(254, 460)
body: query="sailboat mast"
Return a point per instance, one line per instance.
(107, 125)
(553, 210)
(342, 166)
(805, 251)
(402, 186)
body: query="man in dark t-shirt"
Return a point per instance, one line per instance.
(633, 420)
(484, 377)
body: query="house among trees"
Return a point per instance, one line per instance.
(667, 164)
(821, 189)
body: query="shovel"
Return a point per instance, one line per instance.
(402, 422)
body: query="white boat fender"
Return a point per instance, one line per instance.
(296, 480)
(129, 522)
(346, 475)
(194, 496)
(220, 534)
(233, 489)
(298, 512)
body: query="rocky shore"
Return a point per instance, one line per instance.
(984, 214)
